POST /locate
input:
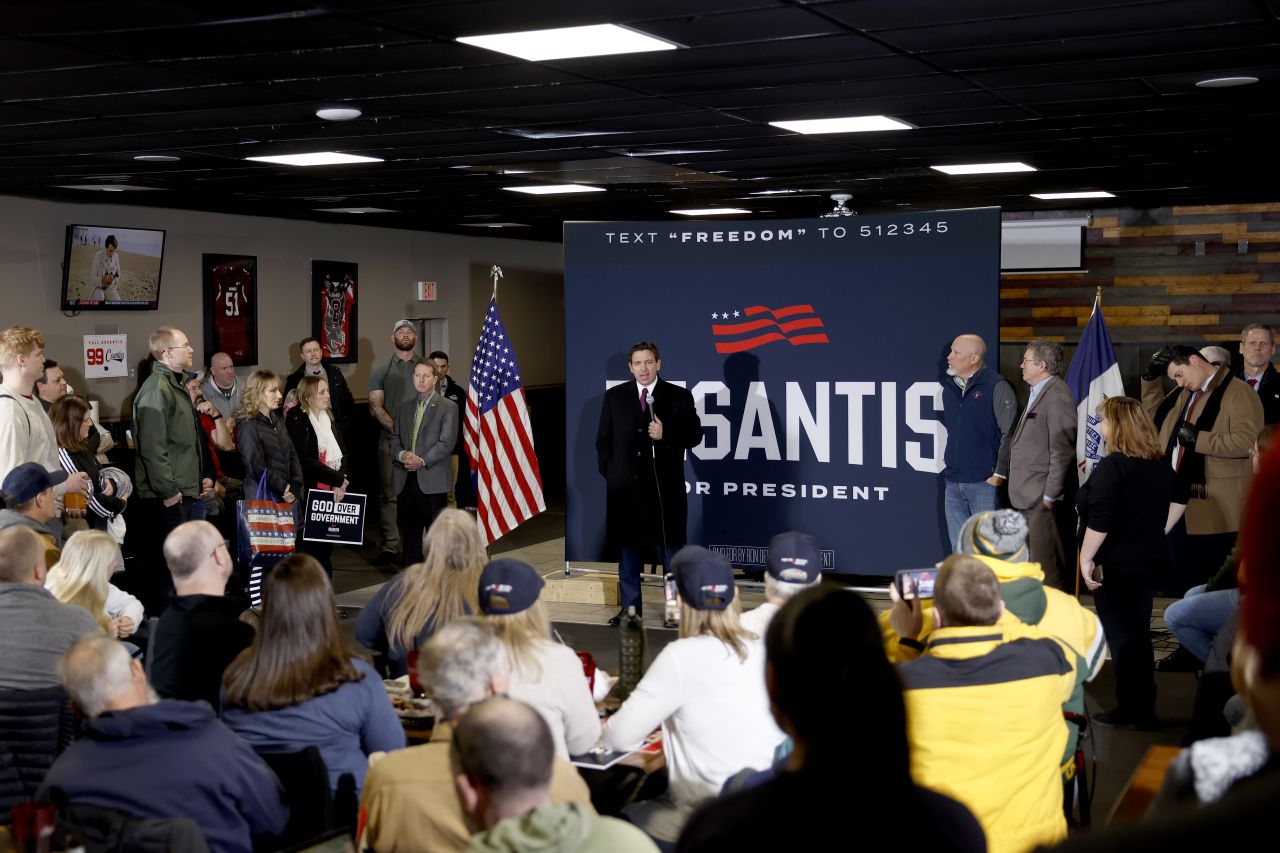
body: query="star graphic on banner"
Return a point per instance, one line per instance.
(735, 313)
(715, 316)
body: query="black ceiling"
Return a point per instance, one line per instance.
(1097, 94)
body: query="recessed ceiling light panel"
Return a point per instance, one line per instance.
(554, 189)
(710, 211)
(106, 188)
(1082, 194)
(1226, 82)
(354, 210)
(984, 168)
(156, 158)
(570, 42)
(494, 225)
(316, 158)
(338, 113)
(848, 124)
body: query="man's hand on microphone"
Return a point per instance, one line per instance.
(655, 429)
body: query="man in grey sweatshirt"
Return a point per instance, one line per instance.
(35, 628)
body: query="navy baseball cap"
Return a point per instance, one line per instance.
(793, 558)
(704, 578)
(28, 480)
(508, 586)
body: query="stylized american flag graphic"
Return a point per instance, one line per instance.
(773, 324)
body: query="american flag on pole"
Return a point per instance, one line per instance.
(499, 440)
(1093, 377)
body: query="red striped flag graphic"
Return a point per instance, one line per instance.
(778, 323)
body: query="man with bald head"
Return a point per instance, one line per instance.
(201, 632)
(221, 385)
(979, 408)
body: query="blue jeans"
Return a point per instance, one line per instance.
(961, 501)
(1199, 616)
(630, 566)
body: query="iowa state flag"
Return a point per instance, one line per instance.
(1093, 377)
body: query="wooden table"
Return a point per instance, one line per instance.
(1143, 785)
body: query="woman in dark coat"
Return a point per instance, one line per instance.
(265, 448)
(1124, 509)
(73, 424)
(318, 440)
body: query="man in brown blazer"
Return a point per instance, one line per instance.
(1209, 430)
(1040, 462)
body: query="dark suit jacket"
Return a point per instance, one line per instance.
(1043, 447)
(434, 443)
(1269, 395)
(643, 475)
(340, 398)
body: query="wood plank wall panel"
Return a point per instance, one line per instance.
(1154, 285)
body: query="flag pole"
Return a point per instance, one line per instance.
(496, 273)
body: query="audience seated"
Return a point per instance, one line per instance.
(836, 695)
(544, 673)
(793, 566)
(82, 577)
(410, 803)
(297, 684)
(505, 755)
(984, 708)
(35, 628)
(29, 501)
(426, 596)
(200, 633)
(706, 690)
(159, 758)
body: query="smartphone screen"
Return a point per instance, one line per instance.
(916, 583)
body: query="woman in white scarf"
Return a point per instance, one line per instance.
(322, 451)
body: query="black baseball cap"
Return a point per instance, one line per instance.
(794, 558)
(28, 480)
(704, 578)
(508, 586)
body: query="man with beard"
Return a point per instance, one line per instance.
(390, 384)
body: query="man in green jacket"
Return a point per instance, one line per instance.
(168, 468)
(505, 757)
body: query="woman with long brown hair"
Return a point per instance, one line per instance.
(298, 685)
(72, 424)
(414, 604)
(1124, 507)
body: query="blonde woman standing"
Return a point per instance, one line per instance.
(544, 673)
(426, 596)
(82, 577)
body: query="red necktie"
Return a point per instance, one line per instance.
(1253, 382)
(644, 400)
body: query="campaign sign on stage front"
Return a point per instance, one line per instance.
(337, 524)
(815, 351)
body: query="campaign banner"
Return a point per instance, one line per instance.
(815, 351)
(335, 523)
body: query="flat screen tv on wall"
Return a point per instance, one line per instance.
(105, 268)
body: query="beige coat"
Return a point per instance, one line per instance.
(1228, 466)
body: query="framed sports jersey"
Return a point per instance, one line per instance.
(334, 307)
(231, 307)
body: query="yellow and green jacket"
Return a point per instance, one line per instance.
(984, 718)
(1029, 601)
